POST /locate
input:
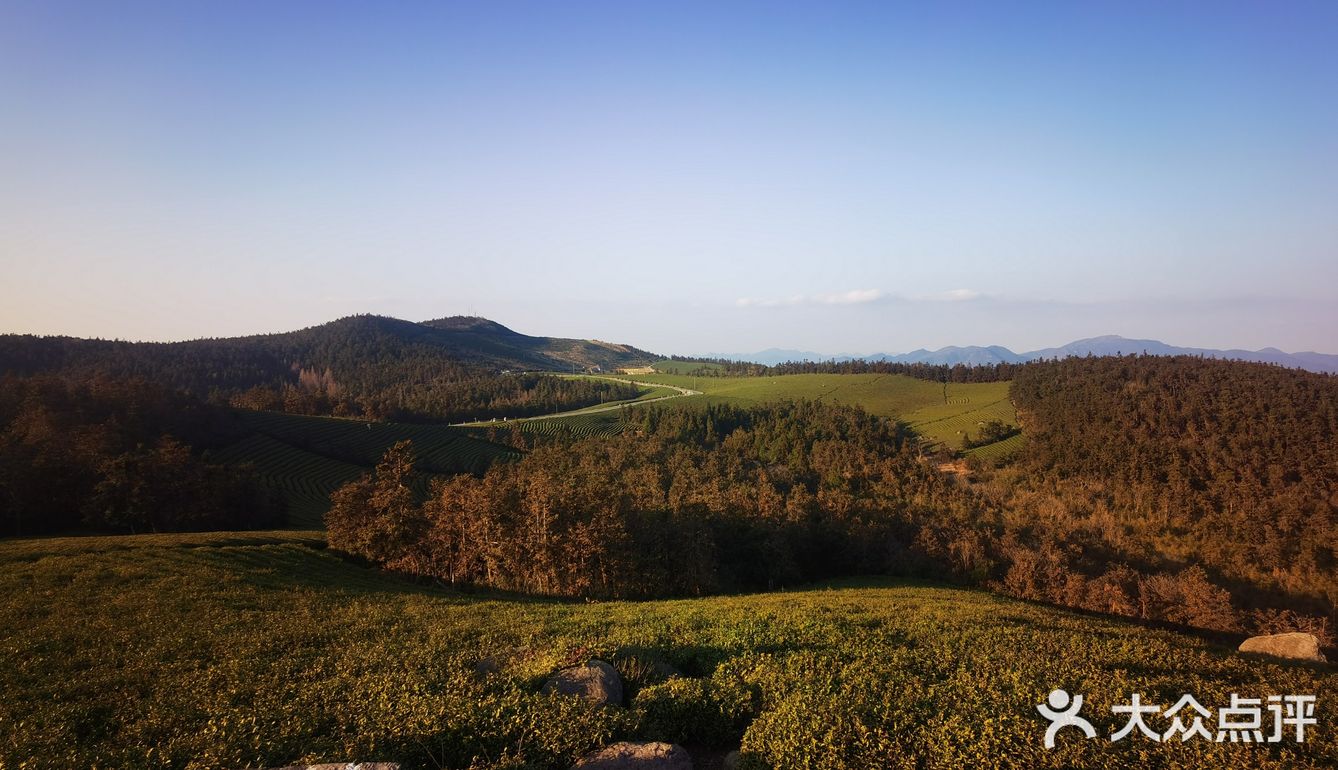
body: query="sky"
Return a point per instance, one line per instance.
(686, 177)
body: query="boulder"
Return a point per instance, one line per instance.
(731, 760)
(1296, 646)
(346, 766)
(596, 681)
(637, 756)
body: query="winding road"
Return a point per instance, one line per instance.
(681, 392)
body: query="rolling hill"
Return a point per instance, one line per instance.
(366, 366)
(266, 649)
(474, 338)
(198, 365)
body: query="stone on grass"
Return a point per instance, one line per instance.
(1296, 646)
(345, 766)
(637, 756)
(596, 681)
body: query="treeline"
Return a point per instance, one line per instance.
(956, 373)
(364, 366)
(689, 502)
(1177, 462)
(116, 456)
(462, 395)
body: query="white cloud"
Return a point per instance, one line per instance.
(960, 295)
(859, 297)
(852, 297)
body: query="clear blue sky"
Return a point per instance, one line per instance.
(690, 177)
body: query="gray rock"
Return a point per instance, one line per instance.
(637, 756)
(597, 682)
(345, 766)
(731, 760)
(1296, 646)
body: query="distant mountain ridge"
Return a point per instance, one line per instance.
(370, 338)
(489, 341)
(1108, 345)
(367, 366)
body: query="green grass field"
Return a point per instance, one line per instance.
(919, 402)
(263, 649)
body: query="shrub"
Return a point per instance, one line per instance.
(711, 711)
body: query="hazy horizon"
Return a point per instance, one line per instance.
(688, 179)
(739, 354)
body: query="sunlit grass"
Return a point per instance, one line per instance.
(263, 649)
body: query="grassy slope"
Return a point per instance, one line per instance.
(918, 402)
(261, 649)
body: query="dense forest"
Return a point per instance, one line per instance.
(683, 502)
(759, 499)
(1171, 462)
(363, 366)
(117, 456)
(1192, 491)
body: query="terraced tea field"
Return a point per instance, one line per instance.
(920, 403)
(307, 458)
(969, 407)
(304, 478)
(606, 423)
(999, 450)
(236, 650)
(440, 448)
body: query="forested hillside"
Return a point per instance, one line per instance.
(119, 456)
(1190, 491)
(1160, 463)
(365, 366)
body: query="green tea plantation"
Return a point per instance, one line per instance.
(265, 649)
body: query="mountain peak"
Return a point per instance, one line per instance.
(471, 323)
